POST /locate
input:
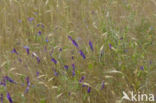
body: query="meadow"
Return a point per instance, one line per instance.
(76, 51)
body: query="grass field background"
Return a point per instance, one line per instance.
(76, 51)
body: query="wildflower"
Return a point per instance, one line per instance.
(142, 68)
(27, 49)
(89, 89)
(73, 65)
(53, 60)
(91, 45)
(60, 49)
(42, 25)
(39, 33)
(38, 25)
(28, 85)
(103, 85)
(37, 74)
(47, 40)
(66, 67)
(19, 21)
(83, 85)
(1, 98)
(73, 41)
(82, 54)
(30, 19)
(110, 46)
(38, 59)
(9, 97)
(73, 72)
(55, 73)
(82, 78)
(73, 57)
(9, 79)
(14, 51)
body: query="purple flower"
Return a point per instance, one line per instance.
(39, 33)
(28, 85)
(55, 73)
(38, 25)
(9, 97)
(19, 59)
(9, 79)
(66, 67)
(28, 81)
(73, 73)
(82, 78)
(103, 85)
(54, 61)
(91, 45)
(47, 40)
(3, 82)
(73, 57)
(38, 59)
(30, 19)
(83, 85)
(42, 25)
(73, 41)
(82, 54)
(37, 74)
(142, 68)
(14, 51)
(1, 98)
(89, 89)
(19, 21)
(110, 46)
(27, 49)
(73, 65)
(60, 49)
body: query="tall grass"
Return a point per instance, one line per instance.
(76, 51)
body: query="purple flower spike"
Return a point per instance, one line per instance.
(28, 85)
(39, 33)
(66, 67)
(142, 68)
(55, 73)
(60, 49)
(19, 21)
(38, 59)
(37, 74)
(47, 40)
(27, 49)
(42, 25)
(73, 65)
(82, 78)
(1, 98)
(110, 46)
(91, 45)
(9, 98)
(82, 54)
(73, 57)
(74, 42)
(83, 85)
(30, 19)
(53, 60)
(14, 51)
(89, 89)
(38, 25)
(9, 79)
(73, 73)
(103, 85)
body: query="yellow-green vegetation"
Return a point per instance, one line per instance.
(76, 51)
